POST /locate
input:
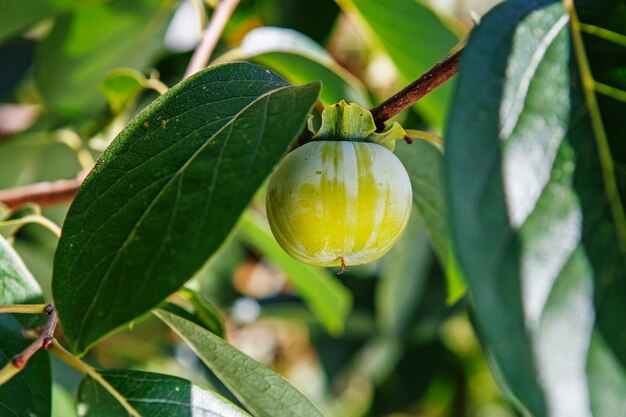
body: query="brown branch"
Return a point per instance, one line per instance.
(43, 341)
(42, 193)
(212, 33)
(427, 82)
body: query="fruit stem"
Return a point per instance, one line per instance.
(344, 268)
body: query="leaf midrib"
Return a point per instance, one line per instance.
(602, 143)
(106, 275)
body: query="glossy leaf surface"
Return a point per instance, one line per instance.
(261, 390)
(29, 392)
(167, 192)
(537, 235)
(152, 395)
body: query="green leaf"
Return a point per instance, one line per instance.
(89, 42)
(122, 86)
(415, 39)
(17, 285)
(261, 390)
(325, 295)
(166, 193)
(19, 15)
(403, 278)
(536, 234)
(607, 379)
(424, 163)
(16, 16)
(28, 393)
(153, 395)
(300, 60)
(62, 402)
(193, 307)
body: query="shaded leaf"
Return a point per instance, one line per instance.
(153, 395)
(536, 234)
(415, 39)
(403, 278)
(92, 40)
(195, 308)
(424, 163)
(325, 295)
(29, 392)
(167, 192)
(261, 390)
(122, 86)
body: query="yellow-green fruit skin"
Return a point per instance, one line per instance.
(333, 199)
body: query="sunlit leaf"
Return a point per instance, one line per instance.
(300, 60)
(261, 390)
(538, 237)
(166, 193)
(152, 395)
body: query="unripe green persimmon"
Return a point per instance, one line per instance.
(330, 202)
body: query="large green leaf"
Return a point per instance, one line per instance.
(325, 295)
(425, 165)
(167, 192)
(152, 395)
(538, 238)
(89, 42)
(415, 39)
(261, 390)
(29, 392)
(17, 16)
(403, 279)
(301, 60)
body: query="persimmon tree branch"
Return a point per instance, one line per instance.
(42, 193)
(214, 29)
(57, 192)
(44, 340)
(427, 82)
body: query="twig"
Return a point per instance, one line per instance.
(76, 363)
(36, 219)
(213, 31)
(42, 193)
(44, 340)
(427, 82)
(23, 308)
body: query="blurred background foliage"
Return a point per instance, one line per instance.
(73, 73)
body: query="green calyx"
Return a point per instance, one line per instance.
(351, 122)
